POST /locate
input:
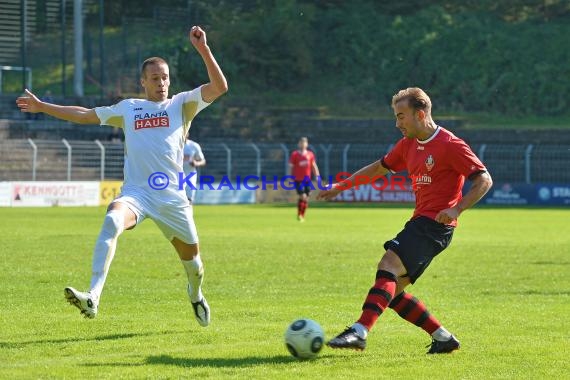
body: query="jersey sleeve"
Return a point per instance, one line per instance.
(187, 149)
(199, 154)
(192, 104)
(394, 159)
(292, 158)
(111, 116)
(463, 160)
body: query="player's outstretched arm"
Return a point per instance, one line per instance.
(218, 84)
(479, 187)
(75, 114)
(362, 176)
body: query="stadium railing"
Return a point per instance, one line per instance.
(74, 160)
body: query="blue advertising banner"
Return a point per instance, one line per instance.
(219, 195)
(540, 194)
(515, 194)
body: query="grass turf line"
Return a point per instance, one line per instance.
(503, 287)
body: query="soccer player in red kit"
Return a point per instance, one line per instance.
(301, 164)
(438, 163)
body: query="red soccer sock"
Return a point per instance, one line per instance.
(414, 311)
(299, 207)
(378, 298)
(304, 205)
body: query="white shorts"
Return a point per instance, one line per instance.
(172, 213)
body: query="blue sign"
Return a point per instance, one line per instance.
(219, 195)
(525, 194)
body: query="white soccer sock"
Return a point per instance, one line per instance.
(441, 334)
(361, 331)
(113, 226)
(195, 271)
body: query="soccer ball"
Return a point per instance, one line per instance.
(304, 338)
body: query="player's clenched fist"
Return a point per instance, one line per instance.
(28, 103)
(198, 37)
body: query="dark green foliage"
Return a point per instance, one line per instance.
(509, 57)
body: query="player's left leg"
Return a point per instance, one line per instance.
(414, 311)
(177, 224)
(190, 257)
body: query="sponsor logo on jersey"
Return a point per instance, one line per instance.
(152, 120)
(430, 163)
(420, 180)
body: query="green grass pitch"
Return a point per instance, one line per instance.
(503, 287)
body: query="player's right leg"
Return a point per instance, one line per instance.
(377, 300)
(191, 195)
(300, 192)
(302, 206)
(118, 218)
(191, 190)
(305, 200)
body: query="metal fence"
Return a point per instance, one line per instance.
(64, 160)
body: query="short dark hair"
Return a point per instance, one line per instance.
(416, 97)
(152, 61)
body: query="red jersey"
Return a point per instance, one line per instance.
(302, 164)
(438, 167)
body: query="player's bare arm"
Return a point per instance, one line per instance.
(80, 115)
(218, 84)
(316, 171)
(375, 169)
(479, 187)
(198, 163)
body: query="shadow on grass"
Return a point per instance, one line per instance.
(81, 339)
(249, 361)
(542, 293)
(529, 292)
(551, 262)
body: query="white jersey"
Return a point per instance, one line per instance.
(194, 152)
(154, 135)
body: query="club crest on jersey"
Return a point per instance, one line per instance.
(430, 162)
(152, 120)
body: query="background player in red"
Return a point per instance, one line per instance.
(438, 162)
(301, 163)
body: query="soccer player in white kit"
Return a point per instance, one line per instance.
(193, 159)
(155, 130)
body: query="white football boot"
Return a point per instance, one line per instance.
(83, 301)
(201, 310)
